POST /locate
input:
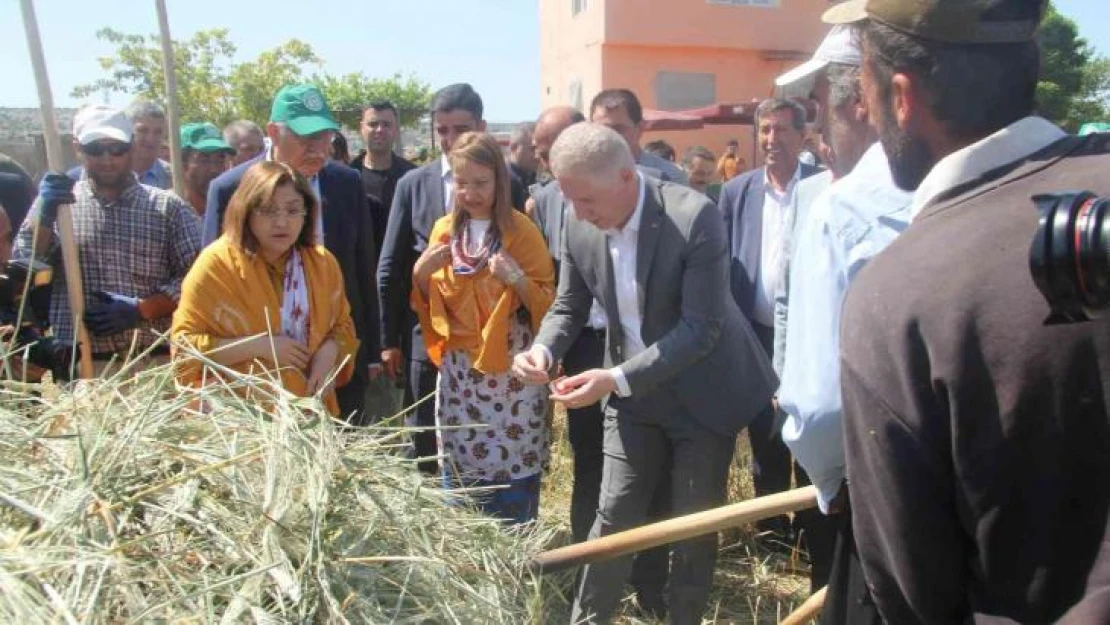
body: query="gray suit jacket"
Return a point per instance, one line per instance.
(550, 209)
(698, 344)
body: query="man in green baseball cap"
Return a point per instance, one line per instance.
(977, 437)
(300, 133)
(204, 156)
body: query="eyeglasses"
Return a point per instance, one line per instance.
(99, 149)
(272, 213)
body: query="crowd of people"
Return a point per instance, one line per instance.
(868, 319)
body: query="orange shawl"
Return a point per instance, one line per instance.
(230, 294)
(473, 312)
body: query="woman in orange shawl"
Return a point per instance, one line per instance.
(480, 290)
(266, 288)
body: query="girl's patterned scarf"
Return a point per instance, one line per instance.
(465, 263)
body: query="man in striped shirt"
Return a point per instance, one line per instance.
(135, 242)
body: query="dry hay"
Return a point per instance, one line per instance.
(121, 502)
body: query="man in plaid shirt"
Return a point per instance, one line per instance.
(135, 242)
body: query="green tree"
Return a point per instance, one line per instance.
(1074, 81)
(212, 86)
(349, 93)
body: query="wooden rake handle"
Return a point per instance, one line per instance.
(672, 530)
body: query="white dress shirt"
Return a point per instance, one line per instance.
(622, 251)
(622, 244)
(775, 208)
(448, 184)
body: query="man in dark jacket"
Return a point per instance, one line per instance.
(301, 129)
(977, 435)
(760, 211)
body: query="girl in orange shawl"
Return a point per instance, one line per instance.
(265, 275)
(480, 290)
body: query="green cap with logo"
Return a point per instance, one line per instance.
(303, 109)
(203, 137)
(946, 21)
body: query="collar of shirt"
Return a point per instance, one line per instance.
(151, 174)
(633, 224)
(445, 163)
(790, 186)
(1014, 142)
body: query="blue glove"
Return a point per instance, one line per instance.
(55, 190)
(111, 313)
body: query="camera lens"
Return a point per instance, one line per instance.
(1070, 256)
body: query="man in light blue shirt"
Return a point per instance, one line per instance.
(851, 222)
(860, 213)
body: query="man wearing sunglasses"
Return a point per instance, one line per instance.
(136, 242)
(301, 130)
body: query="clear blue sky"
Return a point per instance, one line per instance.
(493, 44)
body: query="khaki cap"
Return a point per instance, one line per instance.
(944, 21)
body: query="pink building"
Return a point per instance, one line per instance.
(675, 54)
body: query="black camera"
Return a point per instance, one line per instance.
(1070, 255)
(26, 316)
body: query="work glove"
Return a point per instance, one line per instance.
(111, 313)
(55, 190)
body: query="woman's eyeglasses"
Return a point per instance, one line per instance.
(100, 149)
(272, 213)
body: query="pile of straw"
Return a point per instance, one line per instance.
(122, 502)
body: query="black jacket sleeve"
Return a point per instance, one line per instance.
(396, 260)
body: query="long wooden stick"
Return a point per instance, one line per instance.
(172, 111)
(70, 259)
(808, 610)
(671, 530)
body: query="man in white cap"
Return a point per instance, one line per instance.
(856, 214)
(136, 242)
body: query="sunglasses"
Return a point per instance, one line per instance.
(99, 149)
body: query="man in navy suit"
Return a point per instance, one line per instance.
(300, 130)
(759, 209)
(422, 196)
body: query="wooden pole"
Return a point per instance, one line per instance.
(172, 111)
(808, 610)
(70, 259)
(671, 530)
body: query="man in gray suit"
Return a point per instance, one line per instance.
(685, 371)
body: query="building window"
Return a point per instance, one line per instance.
(768, 4)
(684, 90)
(577, 6)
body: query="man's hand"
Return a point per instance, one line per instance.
(532, 366)
(112, 313)
(55, 190)
(320, 369)
(584, 389)
(530, 207)
(391, 362)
